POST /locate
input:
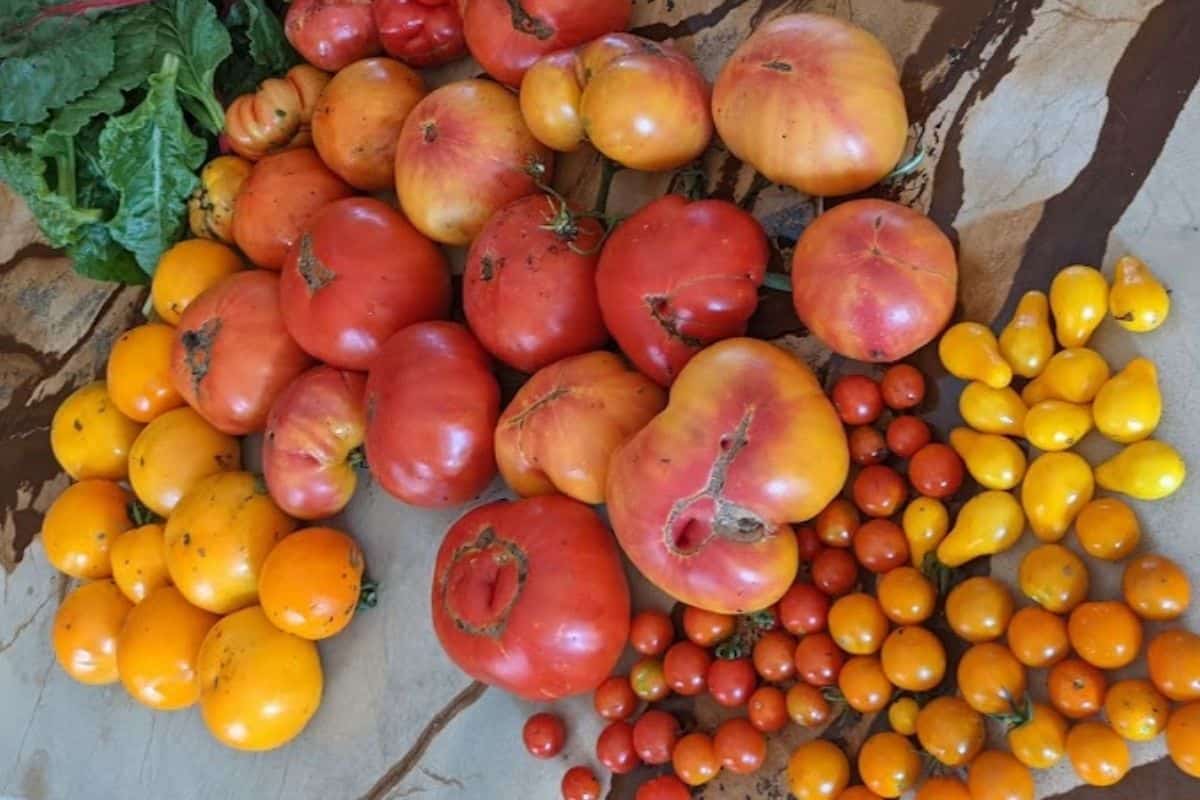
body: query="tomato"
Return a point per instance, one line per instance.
(432, 405)
(991, 679)
(864, 685)
(278, 201)
(834, 572)
(808, 543)
(1183, 738)
(463, 154)
(695, 759)
(907, 434)
(731, 682)
(889, 764)
(614, 698)
(210, 217)
(358, 119)
(218, 537)
(359, 275)
(275, 117)
(913, 658)
(158, 647)
(1100, 756)
(819, 659)
(996, 775)
(903, 387)
(139, 561)
(1136, 710)
(1038, 638)
(332, 33)
(879, 545)
(190, 267)
(1105, 634)
(979, 609)
(81, 525)
(649, 680)
(1053, 577)
(943, 788)
(664, 787)
(259, 686)
(1107, 529)
(902, 715)
(654, 736)
(807, 705)
(579, 783)
(1040, 741)
(503, 607)
(879, 491)
(935, 470)
(544, 735)
(1174, 661)
(817, 770)
(421, 33)
(857, 624)
(1076, 688)
(615, 748)
(739, 746)
(86, 630)
(679, 275)
(686, 668)
(804, 609)
(867, 445)
(773, 656)
(651, 632)
(139, 372)
(857, 793)
(858, 399)
(767, 709)
(1155, 587)
(310, 583)
(90, 438)
(837, 523)
(950, 730)
(173, 453)
(906, 596)
(707, 628)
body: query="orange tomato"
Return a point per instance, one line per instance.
(158, 647)
(1136, 710)
(1038, 638)
(90, 438)
(857, 793)
(1107, 529)
(941, 787)
(950, 730)
(1183, 738)
(1100, 757)
(86, 627)
(1106, 634)
(81, 525)
(1155, 587)
(186, 270)
(902, 716)
(694, 759)
(1053, 577)
(913, 658)
(996, 775)
(857, 624)
(889, 764)
(979, 608)
(311, 581)
(139, 561)
(807, 706)
(906, 596)
(991, 679)
(173, 453)
(707, 628)
(1174, 661)
(1076, 688)
(817, 770)
(210, 208)
(139, 372)
(864, 685)
(1040, 740)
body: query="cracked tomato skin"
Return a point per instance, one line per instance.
(506, 602)
(701, 498)
(421, 33)
(232, 354)
(677, 276)
(361, 273)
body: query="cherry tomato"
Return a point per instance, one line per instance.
(913, 658)
(906, 435)
(902, 715)
(651, 633)
(857, 399)
(86, 629)
(1183, 738)
(804, 609)
(867, 445)
(807, 705)
(654, 736)
(1174, 661)
(857, 624)
(649, 680)
(311, 582)
(664, 787)
(1136, 710)
(979, 608)
(614, 698)
(902, 387)
(941, 787)
(614, 748)
(579, 783)
(767, 708)
(695, 760)
(935, 471)
(1040, 741)
(707, 628)
(1155, 587)
(857, 793)
(1038, 638)
(544, 735)
(808, 543)
(1098, 754)
(880, 546)
(686, 668)
(1053, 577)
(819, 659)
(731, 681)
(889, 764)
(950, 730)
(1106, 634)
(834, 571)
(879, 491)
(817, 770)
(906, 596)
(773, 656)
(1076, 688)
(991, 679)
(157, 649)
(837, 523)
(996, 775)
(864, 685)
(739, 746)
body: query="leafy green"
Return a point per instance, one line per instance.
(260, 49)
(98, 256)
(59, 219)
(190, 30)
(61, 63)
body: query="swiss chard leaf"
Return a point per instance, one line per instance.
(59, 219)
(190, 30)
(62, 60)
(260, 48)
(98, 256)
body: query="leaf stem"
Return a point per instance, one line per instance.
(64, 167)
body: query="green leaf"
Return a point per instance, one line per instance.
(190, 30)
(97, 256)
(61, 63)
(150, 157)
(60, 221)
(268, 46)
(260, 49)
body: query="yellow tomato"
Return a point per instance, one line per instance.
(173, 453)
(1057, 486)
(158, 648)
(989, 523)
(1074, 375)
(1100, 757)
(81, 525)
(888, 764)
(90, 437)
(950, 730)
(1079, 300)
(310, 582)
(994, 461)
(857, 624)
(1128, 406)
(989, 410)
(1053, 577)
(185, 271)
(1107, 529)
(970, 351)
(817, 770)
(1137, 300)
(979, 608)
(85, 632)
(1145, 470)
(1040, 739)
(210, 208)
(942, 787)
(906, 596)
(1136, 710)
(926, 522)
(1183, 738)
(1053, 425)
(991, 679)
(902, 716)
(1027, 341)
(139, 372)
(996, 775)
(139, 561)
(863, 683)
(913, 659)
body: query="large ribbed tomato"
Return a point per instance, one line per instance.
(701, 498)
(530, 596)
(421, 33)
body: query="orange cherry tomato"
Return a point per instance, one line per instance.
(902, 715)
(1183, 738)
(651, 633)
(186, 270)
(81, 525)
(996, 775)
(902, 387)
(1038, 638)
(1098, 754)
(173, 453)
(158, 648)
(1155, 587)
(857, 624)
(837, 522)
(889, 764)
(950, 730)
(941, 787)
(774, 656)
(913, 658)
(880, 546)
(139, 561)
(90, 438)
(991, 679)
(767, 708)
(864, 685)
(979, 609)
(707, 628)
(695, 759)
(1039, 741)
(906, 596)
(311, 582)
(739, 746)
(1053, 577)
(879, 491)
(817, 770)
(857, 793)
(1107, 529)
(1106, 634)
(1076, 688)
(1174, 661)
(139, 372)
(1136, 710)
(807, 706)
(86, 629)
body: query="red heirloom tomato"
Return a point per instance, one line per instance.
(276, 203)
(314, 435)
(507, 605)
(463, 154)
(560, 431)
(331, 33)
(507, 36)
(813, 102)
(529, 286)
(422, 33)
(677, 276)
(360, 274)
(432, 404)
(700, 498)
(232, 355)
(900, 254)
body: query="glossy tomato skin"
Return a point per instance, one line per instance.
(678, 275)
(686, 667)
(331, 34)
(731, 681)
(360, 274)
(614, 698)
(87, 629)
(157, 650)
(544, 735)
(664, 787)
(654, 736)
(804, 609)
(432, 405)
(421, 33)
(529, 292)
(506, 37)
(615, 748)
(311, 582)
(579, 783)
(651, 632)
(504, 606)
(233, 356)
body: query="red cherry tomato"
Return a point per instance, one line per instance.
(880, 546)
(857, 399)
(707, 628)
(614, 698)
(867, 445)
(903, 387)
(686, 668)
(767, 709)
(544, 735)
(651, 633)
(732, 681)
(579, 783)
(740, 747)
(614, 748)
(664, 787)
(807, 543)
(935, 471)
(906, 435)
(819, 660)
(837, 522)
(804, 609)
(834, 572)
(773, 656)
(654, 736)
(879, 491)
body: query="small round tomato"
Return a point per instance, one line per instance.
(1155, 587)
(819, 659)
(903, 387)
(1053, 577)
(1183, 738)
(991, 679)
(695, 759)
(579, 783)
(907, 434)
(89, 437)
(857, 399)
(81, 525)
(157, 650)
(311, 582)
(950, 730)
(818, 770)
(857, 793)
(651, 633)
(1174, 661)
(544, 735)
(880, 546)
(615, 750)
(87, 627)
(935, 471)
(889, 764)
(649, 680)
(1038, 638)
(834, 571)
(773, 656)
(1107, 529)
(1076, 688)
(808, 543)
(866, 445)
(979, 609)
(1040, 740)
(837, 523)
(996, 775)
(686, 668)
(139, 372)
(707, 628)
(139, 561)
(614, 699)
(654, 736)
(906, 596)
(879, 491)
(1106, 634)
(731, 681)
(803, 609)
(189, 267)
(767, 708)
(857, 624)
(902, 715)
(664, 787)
(940, 787)
(807, 706)
(1136, 710)
(864, 684)
(740, 747)
(913, 658)
(1100, 756)
(173, 453)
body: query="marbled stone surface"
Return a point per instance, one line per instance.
(1056, 132)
